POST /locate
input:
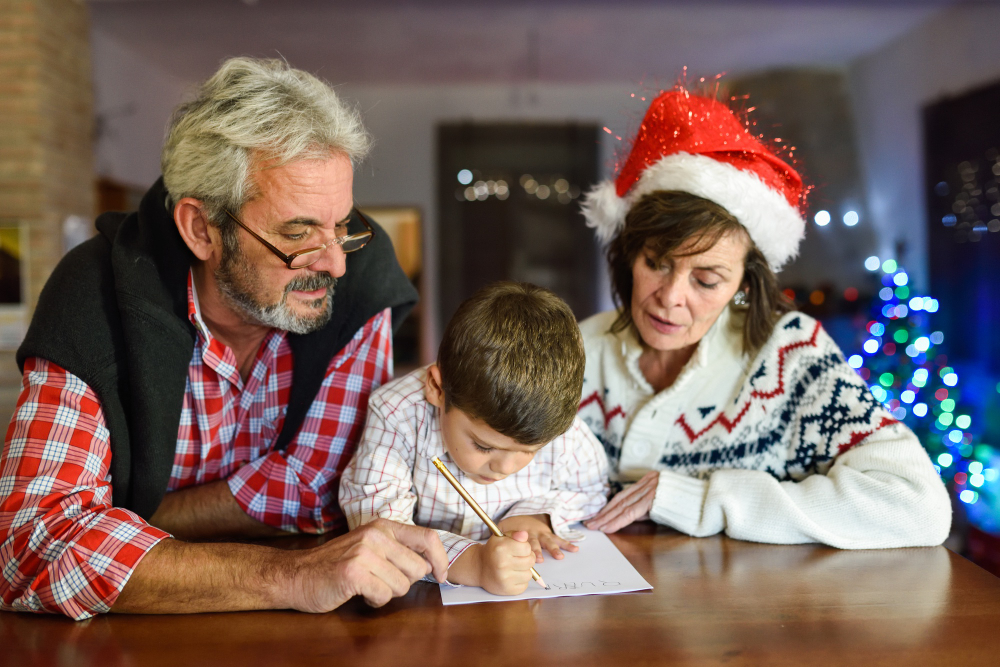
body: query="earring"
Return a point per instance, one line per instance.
(740, 298)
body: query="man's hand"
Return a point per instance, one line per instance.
(378, 561)
(632, 504)
(540, 535)
(502, 566)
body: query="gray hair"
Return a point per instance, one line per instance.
(253, 110)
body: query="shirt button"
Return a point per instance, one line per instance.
(641, 449)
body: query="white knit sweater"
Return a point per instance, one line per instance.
(787, 447)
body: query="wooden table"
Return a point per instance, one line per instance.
(715, 601)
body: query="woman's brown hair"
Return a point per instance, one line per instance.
(666, 220)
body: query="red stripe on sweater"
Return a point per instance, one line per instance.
(730, 425)
(858, 437)
(608, 416)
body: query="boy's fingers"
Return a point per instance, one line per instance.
(520, 546)
(556, 544)
(523, 563)
(537, 548)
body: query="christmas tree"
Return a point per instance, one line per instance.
(905, 363)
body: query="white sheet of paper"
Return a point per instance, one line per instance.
(598, 568)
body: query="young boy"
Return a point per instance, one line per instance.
(499, 409)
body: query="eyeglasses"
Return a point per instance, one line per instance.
(303, 258)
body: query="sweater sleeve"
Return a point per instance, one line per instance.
(881, 494)
(858, 478)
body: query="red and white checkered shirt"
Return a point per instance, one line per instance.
(66, 549)
(391, 475)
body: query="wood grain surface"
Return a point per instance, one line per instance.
(716, 601)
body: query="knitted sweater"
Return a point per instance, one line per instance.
(787, 447)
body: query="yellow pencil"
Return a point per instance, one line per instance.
(479, 510)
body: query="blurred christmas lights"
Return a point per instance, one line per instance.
(907, 370)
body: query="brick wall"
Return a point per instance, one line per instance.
(46, 136)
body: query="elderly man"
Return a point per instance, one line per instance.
(201, 368)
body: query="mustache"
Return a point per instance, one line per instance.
(311, 282)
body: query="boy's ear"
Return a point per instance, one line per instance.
(434, 387)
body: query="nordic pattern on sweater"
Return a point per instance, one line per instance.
(795, 413)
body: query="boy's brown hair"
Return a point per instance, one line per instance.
(512, 356)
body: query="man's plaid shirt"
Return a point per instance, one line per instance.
(64, 548)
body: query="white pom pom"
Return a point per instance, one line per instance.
(604, 210)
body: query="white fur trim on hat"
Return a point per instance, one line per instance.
(604, 210)
(774, 225)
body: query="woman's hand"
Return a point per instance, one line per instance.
(540, 535)
(632, 504)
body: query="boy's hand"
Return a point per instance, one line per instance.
(540, 535)
(503, 563)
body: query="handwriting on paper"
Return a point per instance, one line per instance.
(578, 586)
(598, 568)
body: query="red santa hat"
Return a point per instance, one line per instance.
(697, 144)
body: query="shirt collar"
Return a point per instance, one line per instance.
(194, 309)
(194, 315)
(217, 355)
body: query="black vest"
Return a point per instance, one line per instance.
(114, 313)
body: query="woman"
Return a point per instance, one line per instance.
(729, 410)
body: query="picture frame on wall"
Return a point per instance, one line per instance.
(404, 226)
